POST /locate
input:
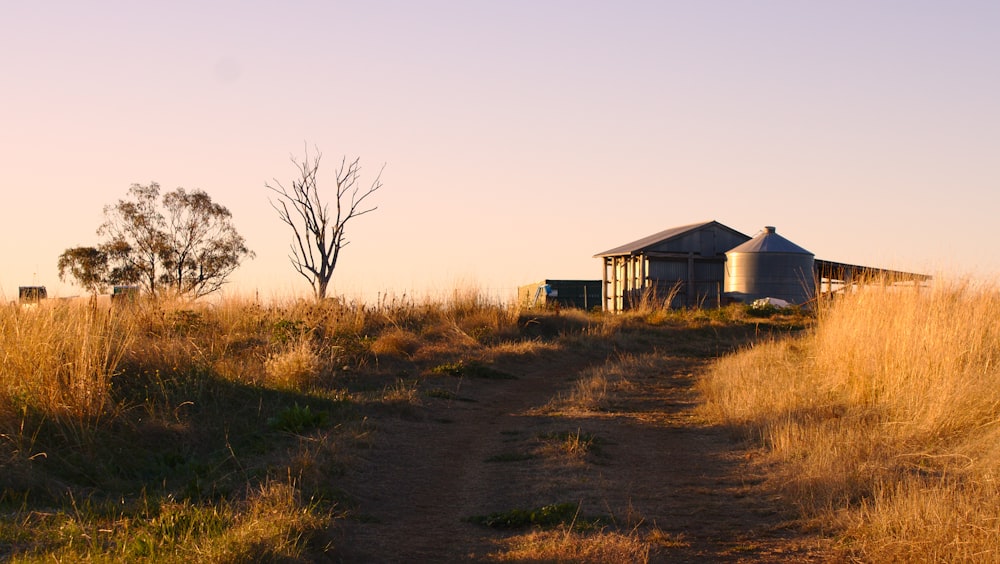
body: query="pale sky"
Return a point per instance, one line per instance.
(519, 137)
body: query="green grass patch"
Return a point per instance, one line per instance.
(546, 516)
(472, 369)
(298, 420)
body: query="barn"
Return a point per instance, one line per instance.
(685, 265)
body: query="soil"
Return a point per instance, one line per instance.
(489, 447)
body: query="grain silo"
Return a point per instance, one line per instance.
(769, 266)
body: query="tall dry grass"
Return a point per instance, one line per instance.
(58, 360)
(883, 422)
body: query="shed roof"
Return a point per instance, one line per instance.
(768, 241)
(645, 243)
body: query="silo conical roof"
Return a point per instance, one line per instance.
(768, 241)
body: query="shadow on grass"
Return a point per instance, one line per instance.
(188, 437)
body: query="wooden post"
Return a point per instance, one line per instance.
(604, 284)
(614, 284)
(642, 274)
(690, 280)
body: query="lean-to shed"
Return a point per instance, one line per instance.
(684, 264)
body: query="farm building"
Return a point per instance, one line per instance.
(709, 264)
(685, 265)
(582, 294)
(31, 294)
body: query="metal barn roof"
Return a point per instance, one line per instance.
(657, 238)
(768, 241)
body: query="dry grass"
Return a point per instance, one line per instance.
(568, 545)
(883, 421)
(60, 359)
(271, 527)
(398, 342)
(593, 391)
(296, 367)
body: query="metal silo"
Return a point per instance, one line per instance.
(769, 266)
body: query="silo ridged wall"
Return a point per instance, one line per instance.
(787, 276)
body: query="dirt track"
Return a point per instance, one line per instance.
(656, 467)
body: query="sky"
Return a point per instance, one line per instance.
(518, 138)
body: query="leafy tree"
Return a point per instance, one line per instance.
(187, 244)
(88, 266)
(318, 233)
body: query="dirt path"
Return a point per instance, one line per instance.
(652, 466)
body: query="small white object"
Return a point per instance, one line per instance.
(773, 302)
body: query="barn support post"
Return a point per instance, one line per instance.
(820, 280)
(690, 280)
(630, 272)
(619, 286)
(643, 273)
(604, 286)
(615, 290)
(627, 265)
(634, 277)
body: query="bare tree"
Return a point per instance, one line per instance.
(318, 232)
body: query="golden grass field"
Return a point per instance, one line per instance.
(174, 431)
(882, 423)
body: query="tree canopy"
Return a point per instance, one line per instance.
(88, 266)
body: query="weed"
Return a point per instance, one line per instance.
(287, 330)
(450, 368)
(297, 419)
(576, 444)
(544, 516)
(473, 369)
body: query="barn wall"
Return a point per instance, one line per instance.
(711, 241)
